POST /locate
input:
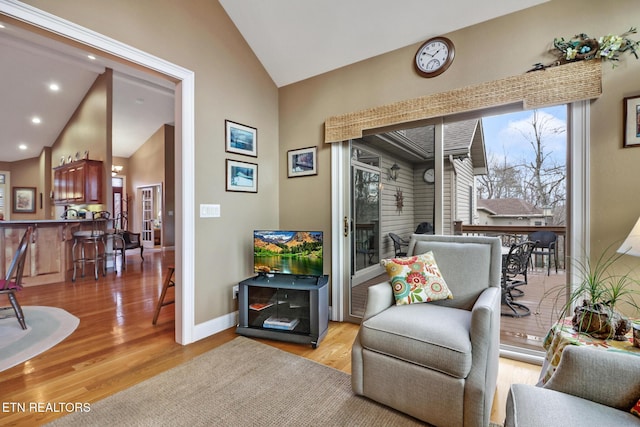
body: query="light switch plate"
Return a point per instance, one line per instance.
(209, 211)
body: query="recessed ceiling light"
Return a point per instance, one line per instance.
(2, 25)
(91, 57)
(22, 146)
(36, 120)
(54, 87)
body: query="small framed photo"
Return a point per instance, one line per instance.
(631, 121)
(302, 162)
(24, 199)
(242, 176)
(241, 139)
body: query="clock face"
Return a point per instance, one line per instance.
(429, 176)
(434, 56)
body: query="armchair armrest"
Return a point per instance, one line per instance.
(379, 298)
(484, 312)
(485, 330)
(605, 377)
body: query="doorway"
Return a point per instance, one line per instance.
(185, 142)
(151, 216)
(365, 208)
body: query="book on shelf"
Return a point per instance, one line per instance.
(283, 323)
(257, 306)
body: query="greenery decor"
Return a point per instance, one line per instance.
(597, 297)
(582, 47)
(609, 47)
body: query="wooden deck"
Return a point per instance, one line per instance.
(526, 332)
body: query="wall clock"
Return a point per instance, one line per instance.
(434, 56)
(429, 176)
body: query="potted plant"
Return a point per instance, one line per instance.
(597, 297)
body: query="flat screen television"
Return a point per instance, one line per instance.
(287, 252)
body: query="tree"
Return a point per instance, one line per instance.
(536, 178)
(502, 180)
(546, 183)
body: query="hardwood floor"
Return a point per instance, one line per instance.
(116, 346)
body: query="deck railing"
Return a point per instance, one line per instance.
(511, 234)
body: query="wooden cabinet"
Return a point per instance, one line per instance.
(79, 182)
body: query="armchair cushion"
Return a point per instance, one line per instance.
(434, 337)
(416, 279)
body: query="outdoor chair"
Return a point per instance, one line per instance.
(398, 243)
(424, 228)
(410, 356)
(514, 275)
(547, 246)
(12, 281)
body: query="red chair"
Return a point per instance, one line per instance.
(13, 279)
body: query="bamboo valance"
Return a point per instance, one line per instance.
(576, 81)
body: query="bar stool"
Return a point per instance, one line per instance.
(88, 247)
(113, 238)
(168, 283)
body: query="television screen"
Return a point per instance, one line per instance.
(287, 252)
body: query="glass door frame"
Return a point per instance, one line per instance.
(578, 214)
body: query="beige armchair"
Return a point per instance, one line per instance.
(436, 361)
(590, 387)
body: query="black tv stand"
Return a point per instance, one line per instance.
(285, 307)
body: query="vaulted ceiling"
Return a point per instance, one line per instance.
(293, 40)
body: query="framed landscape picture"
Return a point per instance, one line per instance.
(242, 176)
(302, 162)
(631, 129)
(241, 139)
(24, 199)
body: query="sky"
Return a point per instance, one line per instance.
(502, 136)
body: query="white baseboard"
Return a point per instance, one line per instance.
(213, 326)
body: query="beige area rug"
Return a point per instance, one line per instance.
(46, 327)
(241, 383)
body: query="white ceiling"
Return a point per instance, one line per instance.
(141, 103)
(298, 39)
(293, 39)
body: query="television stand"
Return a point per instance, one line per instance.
(284, 307)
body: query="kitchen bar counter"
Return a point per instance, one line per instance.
(49, 257)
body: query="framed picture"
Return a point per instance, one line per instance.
(302, 162)
(631, 121)
(24, 199)
(242, 176)
(241, 139)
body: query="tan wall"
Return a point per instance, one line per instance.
(146, 167)
(89, 129)
(169, 207)
(503, 47)
(26, 173)
(152, 164)
(230, 84)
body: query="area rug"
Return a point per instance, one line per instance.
(241, 383)
(46, 327)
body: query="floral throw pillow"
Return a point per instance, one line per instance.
(636, 409)
(416, 279)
